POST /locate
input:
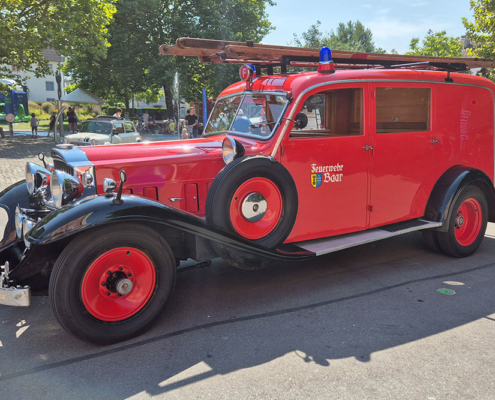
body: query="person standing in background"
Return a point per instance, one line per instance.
(118, 113)
(146, 118)
(71, 115)
(192, 121)
(51, 127)
(34, 126)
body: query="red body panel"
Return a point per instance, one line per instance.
(389, 184)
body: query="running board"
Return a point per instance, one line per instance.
(336, 243)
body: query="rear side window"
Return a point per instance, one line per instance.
(118, 128)
(128, 127)
(402, 109)
(333, 113)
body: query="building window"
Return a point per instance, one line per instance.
(51, 100)
(50, 86)
(402, 109)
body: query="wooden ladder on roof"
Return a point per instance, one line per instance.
(270, 56)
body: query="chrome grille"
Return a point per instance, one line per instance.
(61, 166)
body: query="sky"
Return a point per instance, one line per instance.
(393, 22)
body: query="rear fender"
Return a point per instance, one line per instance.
(448, 188)
(97, 211)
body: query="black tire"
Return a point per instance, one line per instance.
(221, 198)
(431, 239)
(452, 245)
(73, 266)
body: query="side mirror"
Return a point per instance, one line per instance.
(301, 120)
(41, 157)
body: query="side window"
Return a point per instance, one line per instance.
(128, 127)
(402, 109)
(333, 113)
(118, 128)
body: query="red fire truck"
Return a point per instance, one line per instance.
(290, 166)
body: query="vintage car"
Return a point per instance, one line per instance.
(104, 130)
(331, 159)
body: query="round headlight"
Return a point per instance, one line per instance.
(228, 150)
(231, 149)
(66, 140)
(36, 177)
(56, 190)
(64, 188)
(94, 142)
(29, 178)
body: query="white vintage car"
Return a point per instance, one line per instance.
(104, 130)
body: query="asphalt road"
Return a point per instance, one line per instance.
(364, 323)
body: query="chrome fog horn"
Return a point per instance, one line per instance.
(88, 179)
(36, 177)
(64, 188)
(109, 186)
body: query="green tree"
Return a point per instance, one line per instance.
(350, 36)
(481, 32)
(69, 27)
(313, 38)
(134, 66)
(436, 44)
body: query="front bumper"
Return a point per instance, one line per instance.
(14, 296)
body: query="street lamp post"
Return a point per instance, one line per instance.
(58, 77)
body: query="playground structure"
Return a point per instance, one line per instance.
(18, 98)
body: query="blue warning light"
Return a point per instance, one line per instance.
(325, 55)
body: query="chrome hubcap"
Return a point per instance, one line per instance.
(254, 207)
(124, 286)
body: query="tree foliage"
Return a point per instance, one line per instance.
(134, 66)
(69, 27)
(350, 36)
(481, 32)
(436, 44)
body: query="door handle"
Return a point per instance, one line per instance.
(433, 141)
(368, 148)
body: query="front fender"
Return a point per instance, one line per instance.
(97, 211)
(14, 195)
(448, 188)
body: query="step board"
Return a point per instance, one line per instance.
(336, 243)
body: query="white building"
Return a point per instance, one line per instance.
(44, 88)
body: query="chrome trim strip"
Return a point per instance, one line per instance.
(301, 95)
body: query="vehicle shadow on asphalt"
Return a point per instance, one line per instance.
(348, 304)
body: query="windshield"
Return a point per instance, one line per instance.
(96, 127)
(251, 114)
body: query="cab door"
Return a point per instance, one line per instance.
(402, 159)
(329, 163)
(118, 130)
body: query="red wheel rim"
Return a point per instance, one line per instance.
(259, 229)
(468, 222)
(107, 279)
